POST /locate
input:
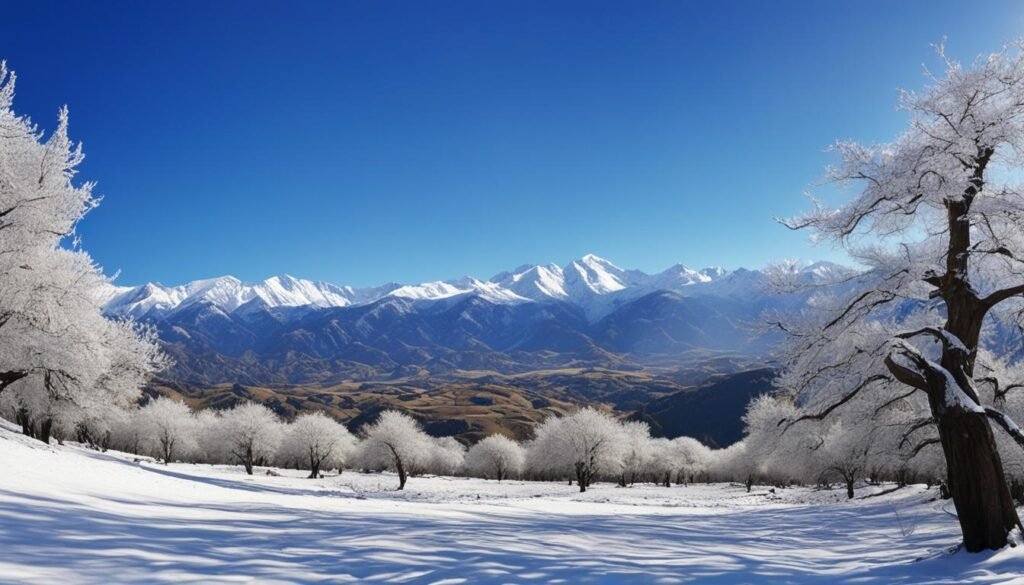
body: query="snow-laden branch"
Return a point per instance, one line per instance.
(1004, 421)
(949, 341)
(911, 367)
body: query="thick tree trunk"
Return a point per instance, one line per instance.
(977, 483)
(974, 469)
(849, 488)
(975, 476)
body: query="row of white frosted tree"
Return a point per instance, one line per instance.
(583, 447)
(783, 446)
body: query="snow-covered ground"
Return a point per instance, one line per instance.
(71, 515)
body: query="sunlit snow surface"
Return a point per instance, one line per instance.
(70, 515)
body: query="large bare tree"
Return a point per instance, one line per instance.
(938, 219)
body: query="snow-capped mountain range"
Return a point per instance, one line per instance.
(587, 313)
(595, 285)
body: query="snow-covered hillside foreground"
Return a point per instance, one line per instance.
(71, 515)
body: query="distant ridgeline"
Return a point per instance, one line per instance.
(519, 346)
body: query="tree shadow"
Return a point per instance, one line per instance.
(135, 541)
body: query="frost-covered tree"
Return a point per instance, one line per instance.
(447, 456)
(938, 219)
(861, 439)
(251, 434)
(766, 454)
(211, 446)
(584, 444)
(131, 354)
(734, 463)
(688, 457)
(496, 457)
(28, 404)
(89, 415)
(165, 428)
(56, 348)
(844, 450)
(127, 434)
(397, 442)
(93, 426)
(636, 451)
(661, 465)
(713, 465)
(316, 441)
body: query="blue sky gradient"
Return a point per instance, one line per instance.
(365, 142)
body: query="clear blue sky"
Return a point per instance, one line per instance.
(364, 142)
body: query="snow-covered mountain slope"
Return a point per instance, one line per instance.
(595, 285)
(537, 282)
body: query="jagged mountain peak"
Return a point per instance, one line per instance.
(595, 261)
(594, 275)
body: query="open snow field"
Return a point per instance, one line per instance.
(71, 515)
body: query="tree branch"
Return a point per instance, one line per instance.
(1001, 295)
(914, 428)
(894, 400)
(922, 445)
(911, 376)
(1007, 423)
(948, 340)
(850, 396)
